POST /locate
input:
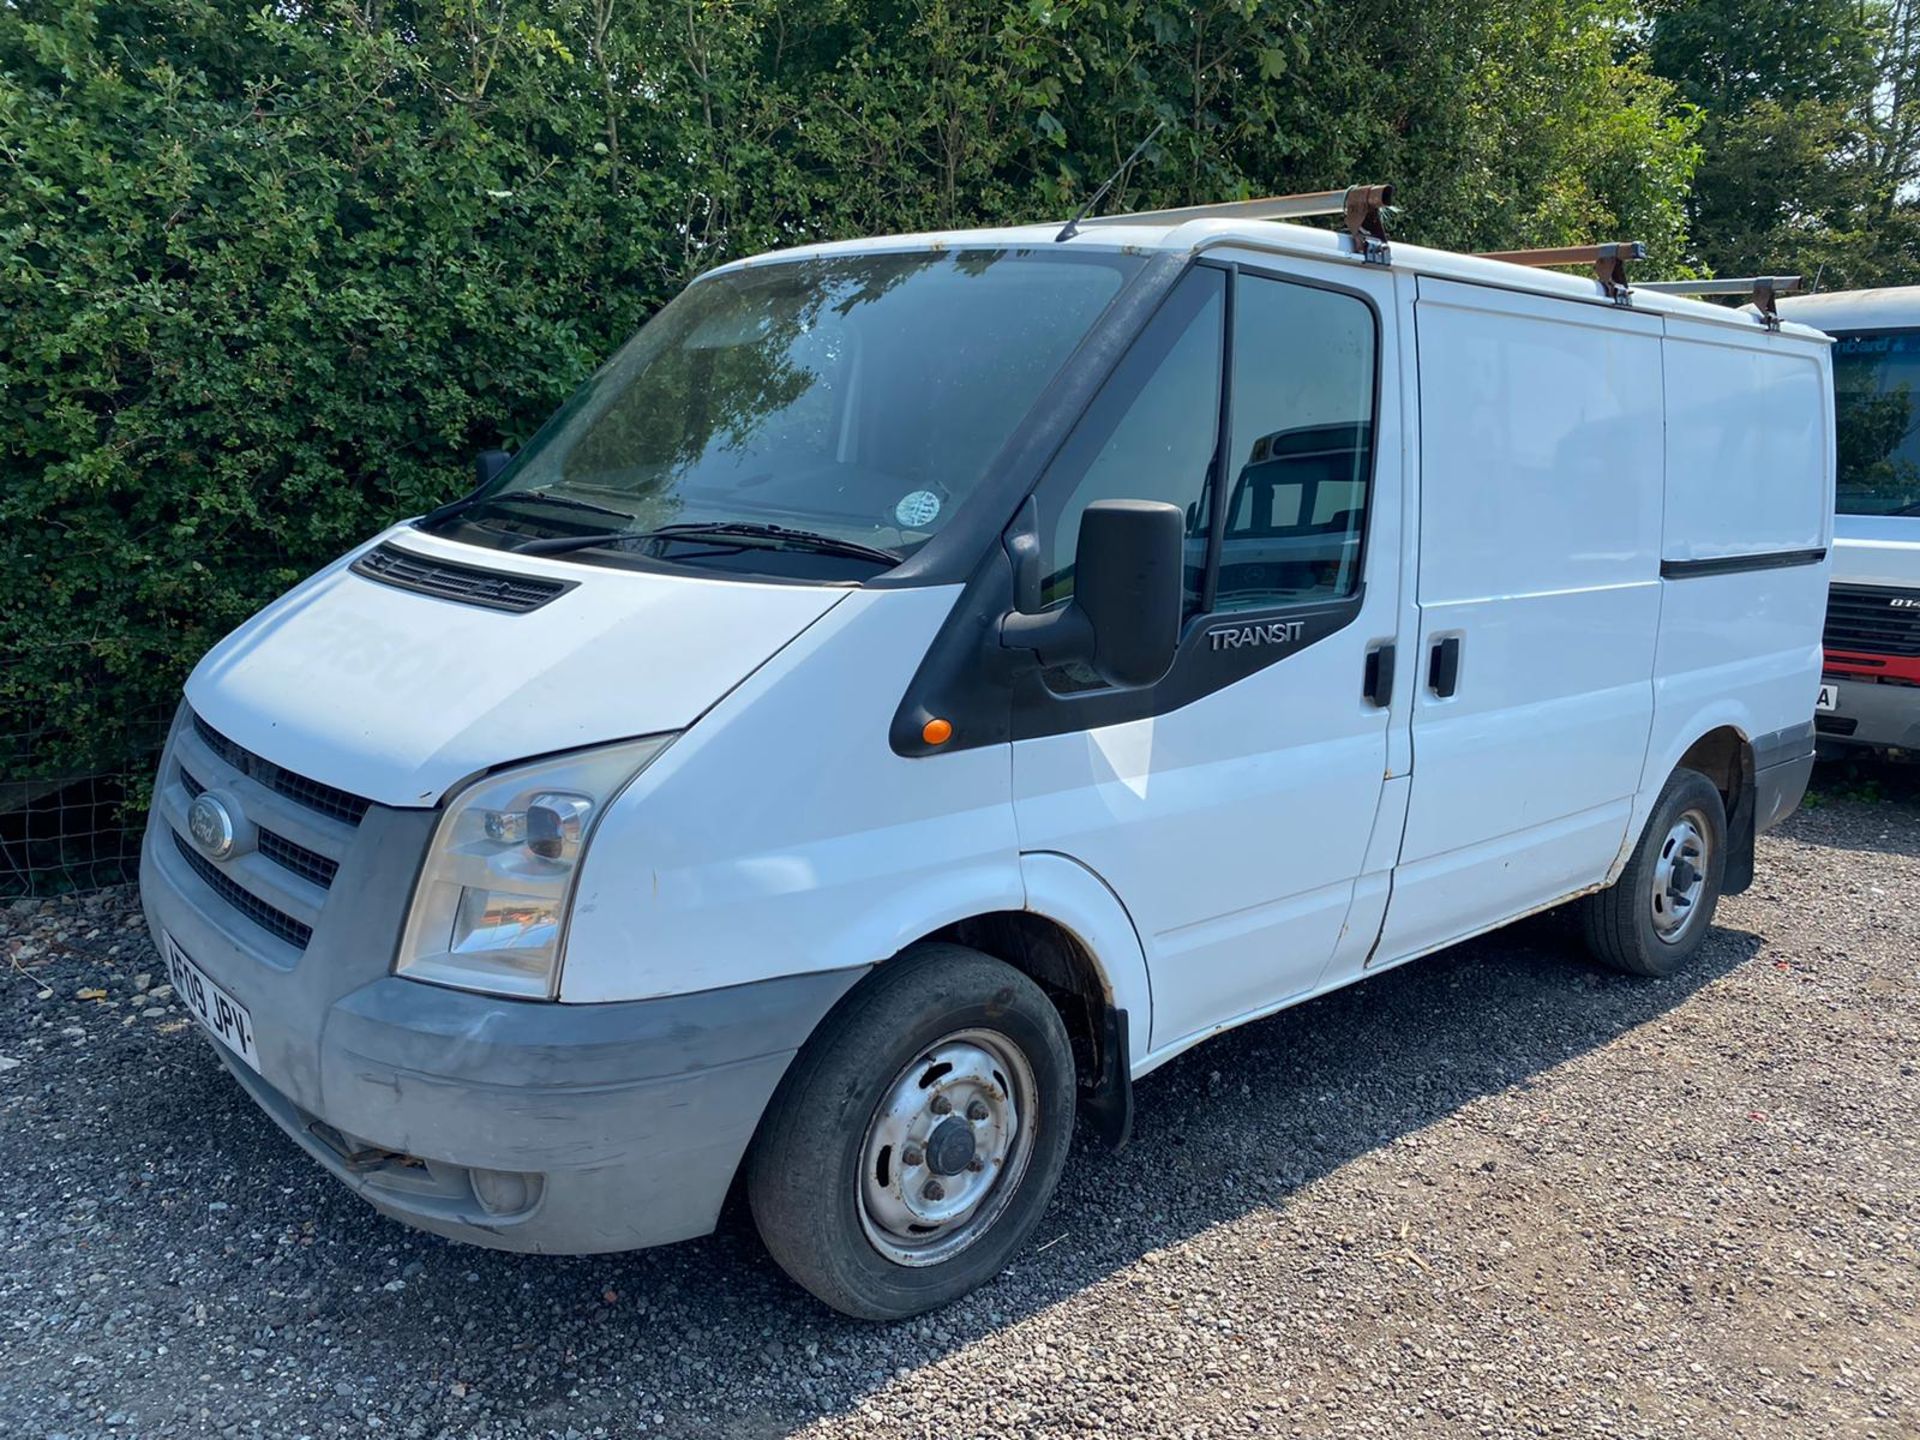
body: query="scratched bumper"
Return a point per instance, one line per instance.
(540, 1127)
(520, 1125)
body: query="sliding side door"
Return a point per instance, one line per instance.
(1538, 585)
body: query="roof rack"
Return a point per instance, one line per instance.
(1761, 291)
(1609, 262)
(1362, 207)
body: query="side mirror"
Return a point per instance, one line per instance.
(488, 464)
(1124, 618)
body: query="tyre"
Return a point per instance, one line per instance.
(913, 1145)
(1652, 919)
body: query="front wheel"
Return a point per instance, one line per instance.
(1656, 915)
(912, 1148)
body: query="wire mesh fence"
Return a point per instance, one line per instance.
(67, 826)
(84, 714)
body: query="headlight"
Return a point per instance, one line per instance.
(490, 910)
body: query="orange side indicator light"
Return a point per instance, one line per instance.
(937, 732)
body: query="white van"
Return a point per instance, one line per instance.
(1871, 694)
(921, 685)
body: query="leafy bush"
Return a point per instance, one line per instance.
(269, 277)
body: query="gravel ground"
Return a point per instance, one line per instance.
(1494, 1193)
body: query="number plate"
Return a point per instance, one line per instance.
(1828, 698)
(225, 1016)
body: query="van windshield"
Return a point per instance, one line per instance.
(1876, 385)
(859, 398)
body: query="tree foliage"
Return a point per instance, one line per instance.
(270, 276)
(1810, 135)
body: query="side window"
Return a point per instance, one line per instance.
(1301, 455)
(1150, 434)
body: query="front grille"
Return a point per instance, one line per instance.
(1866, 619)
(1835, 724)
(326, 799)
(307, 864)
(315, 796)
(274, 921)
(465, 584)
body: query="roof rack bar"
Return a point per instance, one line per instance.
(1571, 254)
(1746, 285)
(1272, 207)
(1761, 291)
(1362, 207)
(1609, 262)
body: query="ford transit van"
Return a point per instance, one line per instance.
(1870, 695)
(921, 685)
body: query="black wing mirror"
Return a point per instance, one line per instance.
(488, 464)
(1124, 617)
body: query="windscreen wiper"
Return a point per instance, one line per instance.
(522, 497)
(783, 535)
(559, 502)
(778, 536)
(561, 544)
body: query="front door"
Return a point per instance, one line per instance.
(1231, 806)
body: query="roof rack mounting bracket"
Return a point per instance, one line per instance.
(1609, 263)
(1762, 291)
(1363, 208)
(1611, 272)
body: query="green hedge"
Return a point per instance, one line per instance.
(269, 277)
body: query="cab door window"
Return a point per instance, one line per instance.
(1150, 435)
(1300, 455)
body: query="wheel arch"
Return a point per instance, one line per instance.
(1076, 941)
(1725, 756)
(1720, 746)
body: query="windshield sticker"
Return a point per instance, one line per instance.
(917, 510)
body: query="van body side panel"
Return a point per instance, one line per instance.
(1739, 651)
(1749, 483)
(1749, 436)
(1540, 504)
(783, 836)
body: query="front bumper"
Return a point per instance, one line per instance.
(521, 1125)
(1872, 714)
(560, 1133)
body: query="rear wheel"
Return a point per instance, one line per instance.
(1656, 915)
(913, 1146)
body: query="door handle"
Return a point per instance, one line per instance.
(1378, 687)
(1443, 666)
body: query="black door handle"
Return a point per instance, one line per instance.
(1379, 682)
(1443, 666)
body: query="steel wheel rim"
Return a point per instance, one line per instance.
(1680, 877)
(947, 1147)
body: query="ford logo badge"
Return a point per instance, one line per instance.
(211, 826)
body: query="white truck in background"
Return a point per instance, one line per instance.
(1870, 691)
